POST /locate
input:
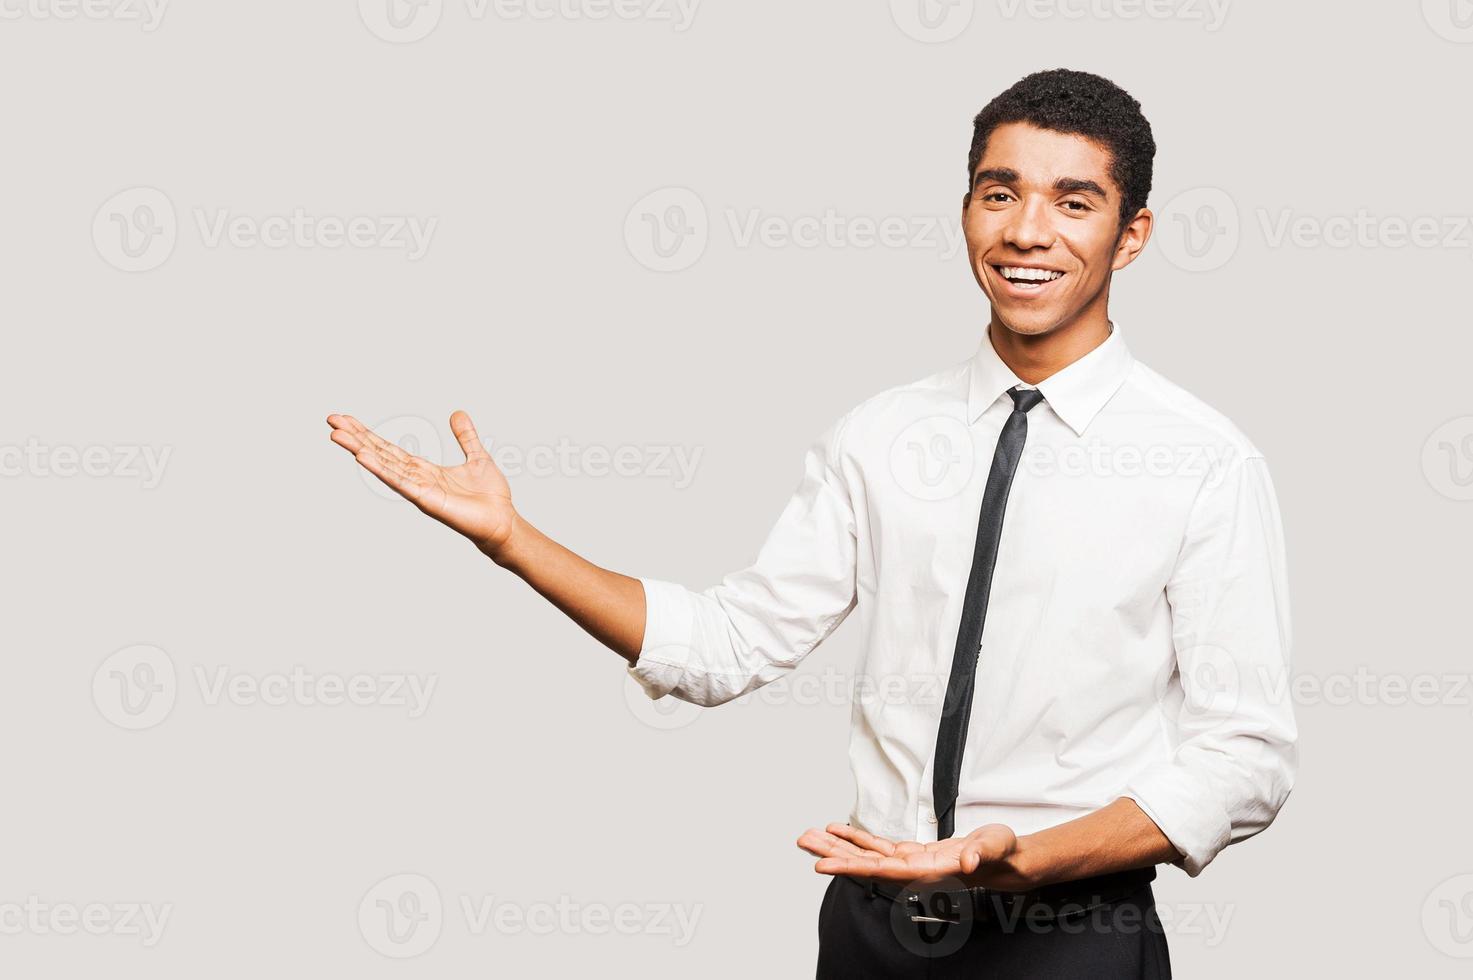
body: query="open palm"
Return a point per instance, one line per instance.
(846, 850)
(473, 498)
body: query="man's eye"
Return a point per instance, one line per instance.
(1076, 205)
(996, 196)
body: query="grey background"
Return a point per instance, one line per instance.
(530, 778)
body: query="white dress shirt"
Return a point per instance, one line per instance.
(1137, 634)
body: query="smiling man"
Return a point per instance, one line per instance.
(1084, 558)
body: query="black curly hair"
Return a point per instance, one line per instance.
(1086, 105)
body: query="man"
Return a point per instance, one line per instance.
(1086, 559)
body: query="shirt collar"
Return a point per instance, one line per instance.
(1076, 392)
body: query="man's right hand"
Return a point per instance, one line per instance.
(473, 498)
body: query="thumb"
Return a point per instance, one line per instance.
(465, 434)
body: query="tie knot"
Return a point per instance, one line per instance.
(1025, 398)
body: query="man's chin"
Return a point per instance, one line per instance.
(1029, 323)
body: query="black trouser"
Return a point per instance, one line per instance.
(862, 936)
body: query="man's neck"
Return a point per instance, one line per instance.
(1034, 357)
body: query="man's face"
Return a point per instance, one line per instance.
(1043, 227)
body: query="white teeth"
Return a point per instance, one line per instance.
(1032, 275)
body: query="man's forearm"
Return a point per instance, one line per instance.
(610, 606)
(1113, 838)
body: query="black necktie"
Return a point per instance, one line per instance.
(957, 710)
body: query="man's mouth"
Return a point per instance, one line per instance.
(1027, 279)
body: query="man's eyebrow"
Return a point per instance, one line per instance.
(1066, 185)
(1071, 185)
(1003, 175)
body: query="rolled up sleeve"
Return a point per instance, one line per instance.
(1235, 753)
(713, 646)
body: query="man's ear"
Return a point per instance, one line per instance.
(1133, 238)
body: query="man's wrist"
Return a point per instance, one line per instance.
(1017, 872)
(507, 550)
(1029, 862)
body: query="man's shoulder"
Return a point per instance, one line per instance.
(1153, 394)
(939, 393)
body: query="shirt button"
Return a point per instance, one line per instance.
(930, 818)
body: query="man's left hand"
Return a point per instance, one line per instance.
(983, 857)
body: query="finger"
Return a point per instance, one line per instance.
(993, 842)
(465, 434)
(823, 844)
(363, 432)
(348, 441)
(889, 868)
(865, 839)
(386, 448)
(346, 422)
(390, 476)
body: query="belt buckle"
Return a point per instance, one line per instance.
(945, 910)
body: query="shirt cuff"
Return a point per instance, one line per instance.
(1185, 811)
(668, 626)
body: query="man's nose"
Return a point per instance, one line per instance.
(1030, 227)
